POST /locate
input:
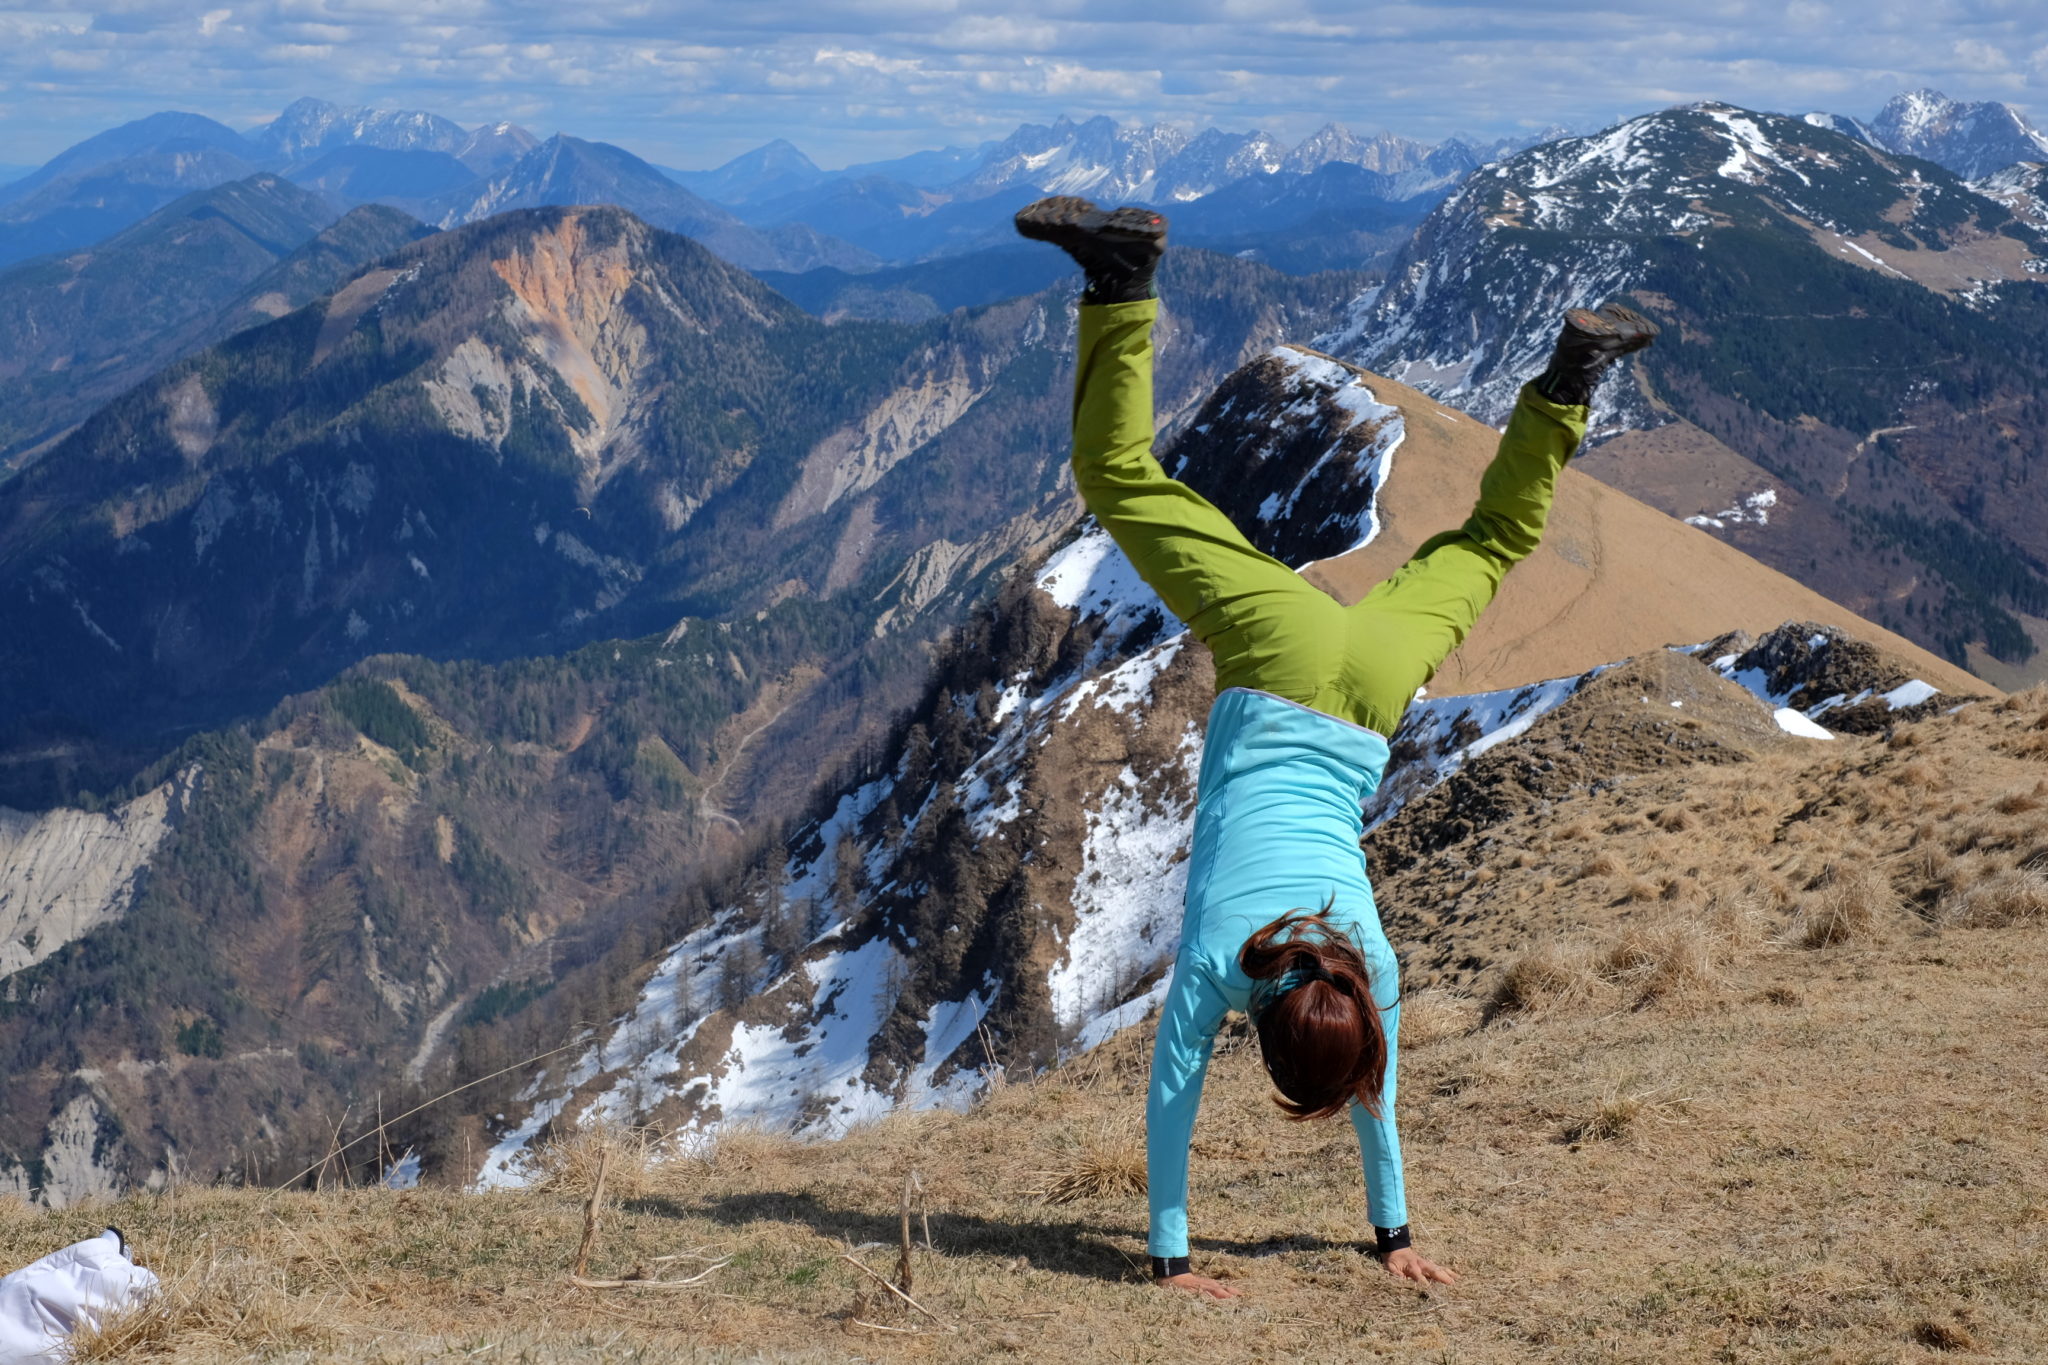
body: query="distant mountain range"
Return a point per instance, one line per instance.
(775, 209)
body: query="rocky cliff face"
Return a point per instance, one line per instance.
(1972, 139)
(64, 873)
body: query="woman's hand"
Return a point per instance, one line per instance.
(1410, 1264)
(1202, 1285)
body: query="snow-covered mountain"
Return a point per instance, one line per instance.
(1097, 158)
(1470, 308)
(1212, 160)
(1708, 216)
(1149, 163)
(1387, 152)
(2021, 187)
(1971, 139)
(493, 147)
(309, 126)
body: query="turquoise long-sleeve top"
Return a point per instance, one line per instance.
(1277, 827)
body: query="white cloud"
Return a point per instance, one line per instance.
(692, 81)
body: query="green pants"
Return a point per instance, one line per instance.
(1269, 628)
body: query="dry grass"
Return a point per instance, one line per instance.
(2015, 896)
(1552, 976)
(1853, 903)
(1432, 1014)
(1108, 1164)
(1739, 1201)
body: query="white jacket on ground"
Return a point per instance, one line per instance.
(42, 1304)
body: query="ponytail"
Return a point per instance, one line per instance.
(1318, 1026)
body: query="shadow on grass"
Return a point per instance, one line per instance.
(1068, 1247)
(1274, 1246)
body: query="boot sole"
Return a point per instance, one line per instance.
(1631, 338)
(1064, 219)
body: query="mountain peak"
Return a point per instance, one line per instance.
(310, 125)
(1971, 139)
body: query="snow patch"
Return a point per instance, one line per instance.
(1795, 723)
(1910, 694)
(1127, 896)
(1751, 509)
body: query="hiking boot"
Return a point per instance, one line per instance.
(1592, 339)
(1118, 249)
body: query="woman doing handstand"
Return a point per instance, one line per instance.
(1280, 920)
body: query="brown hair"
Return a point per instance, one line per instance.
(1318, 1027)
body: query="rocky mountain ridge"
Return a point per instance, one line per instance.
(1709, 216)
(554, 426)
(88, 325)
(1972, 139)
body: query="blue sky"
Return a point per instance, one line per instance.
(689, 83)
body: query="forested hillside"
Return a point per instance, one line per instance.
(554, 427)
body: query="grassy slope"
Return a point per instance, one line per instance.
(1695, 1138)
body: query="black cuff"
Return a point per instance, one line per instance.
(1166, 1267)
(1389, 1240)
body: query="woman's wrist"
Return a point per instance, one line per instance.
(1166, 1267)
(1387, 1241)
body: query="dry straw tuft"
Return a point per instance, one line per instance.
(1109, 1165)
(1432, 1015)
(1674, 819)
(1619, 1113)
(2016, 896)
(1852, 904)
(1553, 976)
(1660, 961)
(568, 1163)
(1602, 864)
(747, 1146)
(234, 1304)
